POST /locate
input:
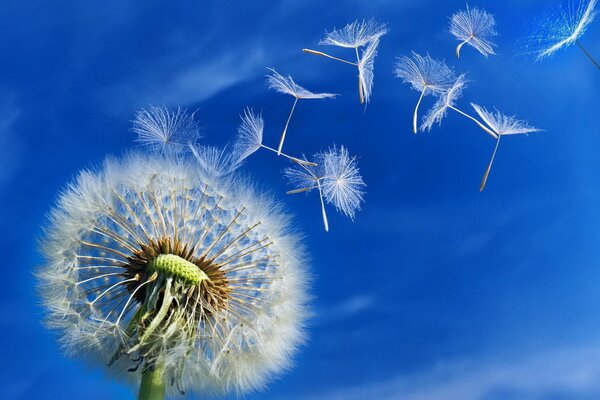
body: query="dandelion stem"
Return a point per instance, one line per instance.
(417, 109)
(461, 45)
(487, 171)
(323, 213)
(588, 54)
(482, 126)
(152, 386)
(320, 53)
(286, 127)
(294, 159)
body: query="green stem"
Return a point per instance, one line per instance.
(152, 386)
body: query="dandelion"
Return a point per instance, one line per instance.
(354, 36)
(562, 28)
(425, 75)
(336, 177)
(287, 85)
(250, 138)
(164, 129)
(174, 279)
(502, 125)
(474, 27)
(446, 101)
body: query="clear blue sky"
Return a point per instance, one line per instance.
(436, 291)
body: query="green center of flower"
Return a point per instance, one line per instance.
(178, 268)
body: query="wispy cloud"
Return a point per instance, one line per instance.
(570, 372)
(10, 148)
(190, 83)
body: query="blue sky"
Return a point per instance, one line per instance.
(436, 291)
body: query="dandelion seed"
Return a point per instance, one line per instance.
(175, 279)
(214, 162)
(560, 29)
(164, 129)
(502, 125)
(287, 85)
(356, 35)
(425, 75)
(250, 138)
(336, 177)
(366, 64)
(474, 27)
(342, 183)
(445, 101)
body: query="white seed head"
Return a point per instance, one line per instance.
(166, 130)
(150, 261)
(503, 124)
(425, 74)
(355, 34)
(476, 28)
(286, 85)
(446, 99)
(559, 29)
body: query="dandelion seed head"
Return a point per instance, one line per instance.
(286, 85)
(425, 74)
(341, 182)
(475, 27)
(445, 100)
(149, 261)
(355, 34)
(165, 130)
(503, 124)
(250, 135)
(559, 28)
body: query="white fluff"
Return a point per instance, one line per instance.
(164, 129)
(250, 135)
(560, 29)
(445, 100)
(286, 85)
(102, 216)
(503, 124)
(336, 177)
(476, 28)
(355, 34)
(424, 73)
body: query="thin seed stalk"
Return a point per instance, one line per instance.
(152, 386)
(482, 126)
(587, 54)
(415, 117)
(320, 53)
(461, 45)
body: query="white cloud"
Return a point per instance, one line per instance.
(190, 83)
(570, 372)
